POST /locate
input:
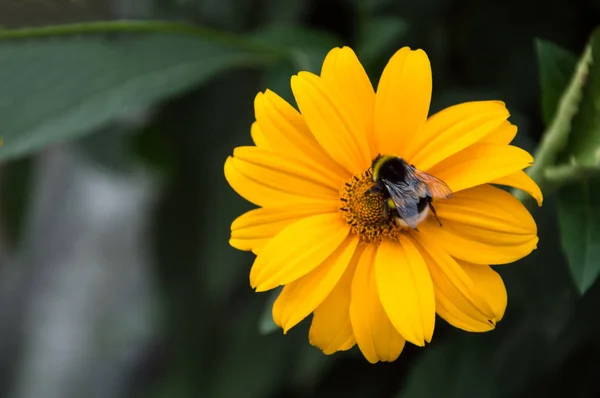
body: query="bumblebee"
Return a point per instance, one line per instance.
(406, 190)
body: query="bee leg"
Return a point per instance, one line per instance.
(374, 190)
(434, 213)
(386, 211)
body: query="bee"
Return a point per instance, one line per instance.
(406, 190)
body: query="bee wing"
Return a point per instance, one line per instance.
(437, 188)
(405, 201)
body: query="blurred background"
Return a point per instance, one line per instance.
(116, 277)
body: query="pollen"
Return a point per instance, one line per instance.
(365, 211)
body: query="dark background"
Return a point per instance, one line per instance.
(117, 279)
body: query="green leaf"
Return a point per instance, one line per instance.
(579, 218)
(377, 36)
(584, 142)
(579, 162)
(559, 131)
(556, 66)
(58, 83)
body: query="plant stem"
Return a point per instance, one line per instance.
(126, 26)
(557, 133)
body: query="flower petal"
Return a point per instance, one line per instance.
(460, 299)
(480, 164)
(402, 100)
(344, 73)
(488, 207)
(377, 338)
(299, 298)
(331, 330)
(522, 181)
(268, 178)
(490, 285)
(503, 134)
(406, 290)
(297, 250)
(253, 229)
(332, 122)
(483, 225)
(258, 137)
(291, 167)
(285, 131)
(454, 129)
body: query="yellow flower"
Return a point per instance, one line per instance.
(365, 279)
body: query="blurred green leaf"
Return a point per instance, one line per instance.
(556, 66)
(583, 147)
(579, 200)
(57, 83)
(377, 36)
(556, 140)
(579, 217)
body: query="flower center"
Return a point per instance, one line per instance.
(365, 211)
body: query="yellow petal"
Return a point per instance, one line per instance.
(344, 73)
(258, 137)
(483, 225)
(297, 250)
(255, 191)
(490, 208)
(454, 129)
(253, 229)
(402, 100)
(268, 161)
(330, 329)
(522, 181)
(480, 164)
(377, 338)
(490, 285)
(330, 120)
(406, 290)
(285, 130)
(270, 179)
(299, 298)
(460, 299)
(502, 135)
